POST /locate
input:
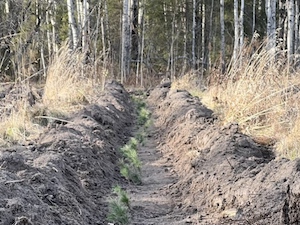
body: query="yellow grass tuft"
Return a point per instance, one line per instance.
(262, 95)
(17, 127)
(69, 85)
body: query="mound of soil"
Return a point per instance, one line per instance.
(224, 176)
(66, 177)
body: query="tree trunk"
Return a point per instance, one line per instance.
(242, 25)
(253, 17)
(271, 25)
(135, 30)
(85, 18)
(236, 31)
(222, 22)
(125, 54)
(290, 32)
(194, 36)
(72, 25)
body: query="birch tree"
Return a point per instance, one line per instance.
(73, 32)
(236, 30)
(194, 36)
(241, 25)
(271, 25)
(253, 16)
(290, 31)
(125, 54)
(222, 22)
(85, 19)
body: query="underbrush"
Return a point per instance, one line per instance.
(68, 87)
(260, 93)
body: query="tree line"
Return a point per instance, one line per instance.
(139, 38)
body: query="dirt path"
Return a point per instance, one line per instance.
(150, 202)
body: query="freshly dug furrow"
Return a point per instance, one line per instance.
(66, 176)
(224, 177)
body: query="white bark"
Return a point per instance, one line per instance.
(222, 35)
(236, 31)
(125, 54)
(84, 30)
(7, 8)
(296, 26)
(72, 24)
(194, 36)
(184, 29)
(203, 38)
(139, 68)
(291, 26)
(253, 17)
(241, 22)
(271, 25)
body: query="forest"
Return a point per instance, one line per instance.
(136, 38)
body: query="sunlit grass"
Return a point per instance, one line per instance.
(261, 94)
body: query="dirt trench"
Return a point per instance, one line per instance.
(196, 172)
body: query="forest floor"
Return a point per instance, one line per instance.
(194, 171)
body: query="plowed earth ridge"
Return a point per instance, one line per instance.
(194, 171)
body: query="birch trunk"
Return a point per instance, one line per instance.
(236, 31)
(7, 7)
(241, 22)
(194, 36)
(271, 25)
(72, 25)
(142, 22)
(52, 18)
(125, 54)
(222, 22)
(203, 39)
(210, 39)
(253, 17)
(296, 26)
(290, 32)
(184, 29)
(85, 18)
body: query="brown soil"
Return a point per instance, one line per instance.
(194, 171)
(66, 177)
(223, 176)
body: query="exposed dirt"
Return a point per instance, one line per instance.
(67, 175)
(224, 177)
(194, 171)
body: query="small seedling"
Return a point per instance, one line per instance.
(118, 213)
(144, 115)
(123, 197)
(141, 138)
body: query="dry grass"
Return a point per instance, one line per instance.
(262, 96)
(70, 85)
(17, 126)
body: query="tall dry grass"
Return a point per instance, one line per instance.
(262, 94)
(70, 84)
